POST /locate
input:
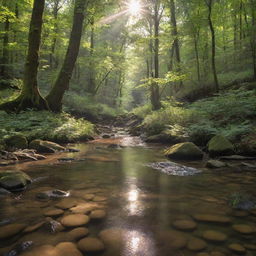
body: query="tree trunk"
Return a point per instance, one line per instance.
(196, 36)
(155, 96)
(56, 8)
(56, 94)
(4, 72)
(253, 37)
(30, 96)
(92, 82)
(213, 46)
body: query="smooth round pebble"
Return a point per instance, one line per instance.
(74, 220)
(202, 254)
(212, 218)
(98, 214)
(53, 213)
(217, 253)
(214, 236)
(196, 244)
(90, 244)
(244, 229)
(99, 198)
(237, 248)
(88, 196)
(77, 233)
(11, 230)
(185, 224)
(68, 249)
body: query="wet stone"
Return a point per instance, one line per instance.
(202, 254)
(214, 236)
(98, 214)
(85, 207)
(88, 196)
(66, 204)
(91, 244)
(250, 246)
(212, 218)
(240, 213)
(244, 229)
(196, 244)
(45, 250)
(217, 253)
(67, 249)
(99, 198)
(185, 224)
(33, 227)
(173, 239)
(54, 213)
(52, 226)
(237, 248)
(10, 230)
(77, 233)
(75, 220)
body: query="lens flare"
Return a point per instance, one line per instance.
(134, 7)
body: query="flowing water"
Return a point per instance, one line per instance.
(141, 203)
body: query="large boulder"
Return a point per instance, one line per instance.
(14, 180)
(44, 146)
(219, 145)
(16, 141)
(184, 151)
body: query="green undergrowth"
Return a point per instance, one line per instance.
(230, 114)
(82, 104)
(45, 125)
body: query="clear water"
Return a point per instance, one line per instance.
(141, 201)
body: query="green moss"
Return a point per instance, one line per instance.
(45, 125)
(219, 145)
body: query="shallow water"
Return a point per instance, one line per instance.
(142, 203)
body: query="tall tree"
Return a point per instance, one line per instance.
(30, 96)
(209, 4)
(54, 98)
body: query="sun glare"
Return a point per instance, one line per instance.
(134, 7)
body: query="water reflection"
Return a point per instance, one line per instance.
(138, 243)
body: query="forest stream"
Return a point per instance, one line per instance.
(133, 208)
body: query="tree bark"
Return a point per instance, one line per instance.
(30, 96)
(61, 84)
(216, 83)
(155, 95)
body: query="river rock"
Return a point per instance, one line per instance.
(219, 145)
(171, 168)
(244, 229)
(53, 213)
(251, 247)
(217, 253)
(77, 233)
(172, 239)
(43, 146)
(45, 250)
(4, 192)
(33, 227)
(214, 236)
(56, 193)
(203, 254)
(88, 196)
(188, 225)
(52, 226)
(10, 230)
(98, 214)
(90, 244)
(67, 249)
(196, 244)
(215, 164)
(184, 151)
(85, 208)
(75, 220)
(99, 198)
(237, 248)
(212, 218)
(17, 141)
(14, 180)
(114, 239)
(66, 203)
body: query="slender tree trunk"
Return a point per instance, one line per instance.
(4, 72)
(30, 96)
(56, 8)
(253, 36)
(209, 4)
(56, 94)
(155, 95)
(92, 82)
(196, 37)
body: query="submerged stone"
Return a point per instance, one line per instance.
(244, 229)
(212, 218)
(237, 248)
(10, 230)
(90, 244)
(214, 236)
(75, 220)
(77, 233)
(67, 249)
(171, 168)
(215, 164)
(188, 225)
(196, 244)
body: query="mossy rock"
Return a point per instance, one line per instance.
(219, 145)
(43, 146)
(14, 180)
(184, 151)
(17, 141)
